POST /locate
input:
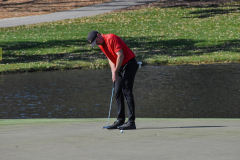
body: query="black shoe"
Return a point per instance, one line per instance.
(127, 125)
(115, 125)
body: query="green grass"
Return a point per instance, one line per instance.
(158, 36)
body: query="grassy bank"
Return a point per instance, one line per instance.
(189, 35)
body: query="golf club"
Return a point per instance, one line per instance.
(110, 107)
(139, 64)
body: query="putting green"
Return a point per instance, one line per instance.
(61, 139)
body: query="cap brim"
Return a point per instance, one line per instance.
(94, 43)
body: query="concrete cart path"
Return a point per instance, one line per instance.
(71, 14)
(156, 139)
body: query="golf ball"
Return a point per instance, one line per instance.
(121, 131)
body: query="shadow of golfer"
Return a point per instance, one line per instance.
(187, 127)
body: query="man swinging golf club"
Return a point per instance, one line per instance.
(124, 67)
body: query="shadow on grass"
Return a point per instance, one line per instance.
(143, 46)
(78, 54)
(210, 8)
(212, 12)
(187, 127)
(179, 47)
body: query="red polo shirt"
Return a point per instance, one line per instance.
(112, 45)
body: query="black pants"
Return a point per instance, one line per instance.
(124, 88)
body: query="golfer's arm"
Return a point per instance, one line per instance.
(119, 61)
(112, 65)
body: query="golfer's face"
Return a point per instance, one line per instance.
(99, 40)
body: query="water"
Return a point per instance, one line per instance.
(185, 91)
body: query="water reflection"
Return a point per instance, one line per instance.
(160, 92)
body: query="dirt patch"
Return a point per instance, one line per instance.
(21, 8)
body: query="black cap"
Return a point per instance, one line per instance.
(92, 37)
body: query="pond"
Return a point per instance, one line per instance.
(175, 91)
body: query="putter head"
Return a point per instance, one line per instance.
(105, 127)
(139, 64)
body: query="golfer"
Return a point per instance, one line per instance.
(124, 67)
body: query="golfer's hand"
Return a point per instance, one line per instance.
(114, 77)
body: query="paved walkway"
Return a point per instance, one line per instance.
(71, 14)
(156, 139)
